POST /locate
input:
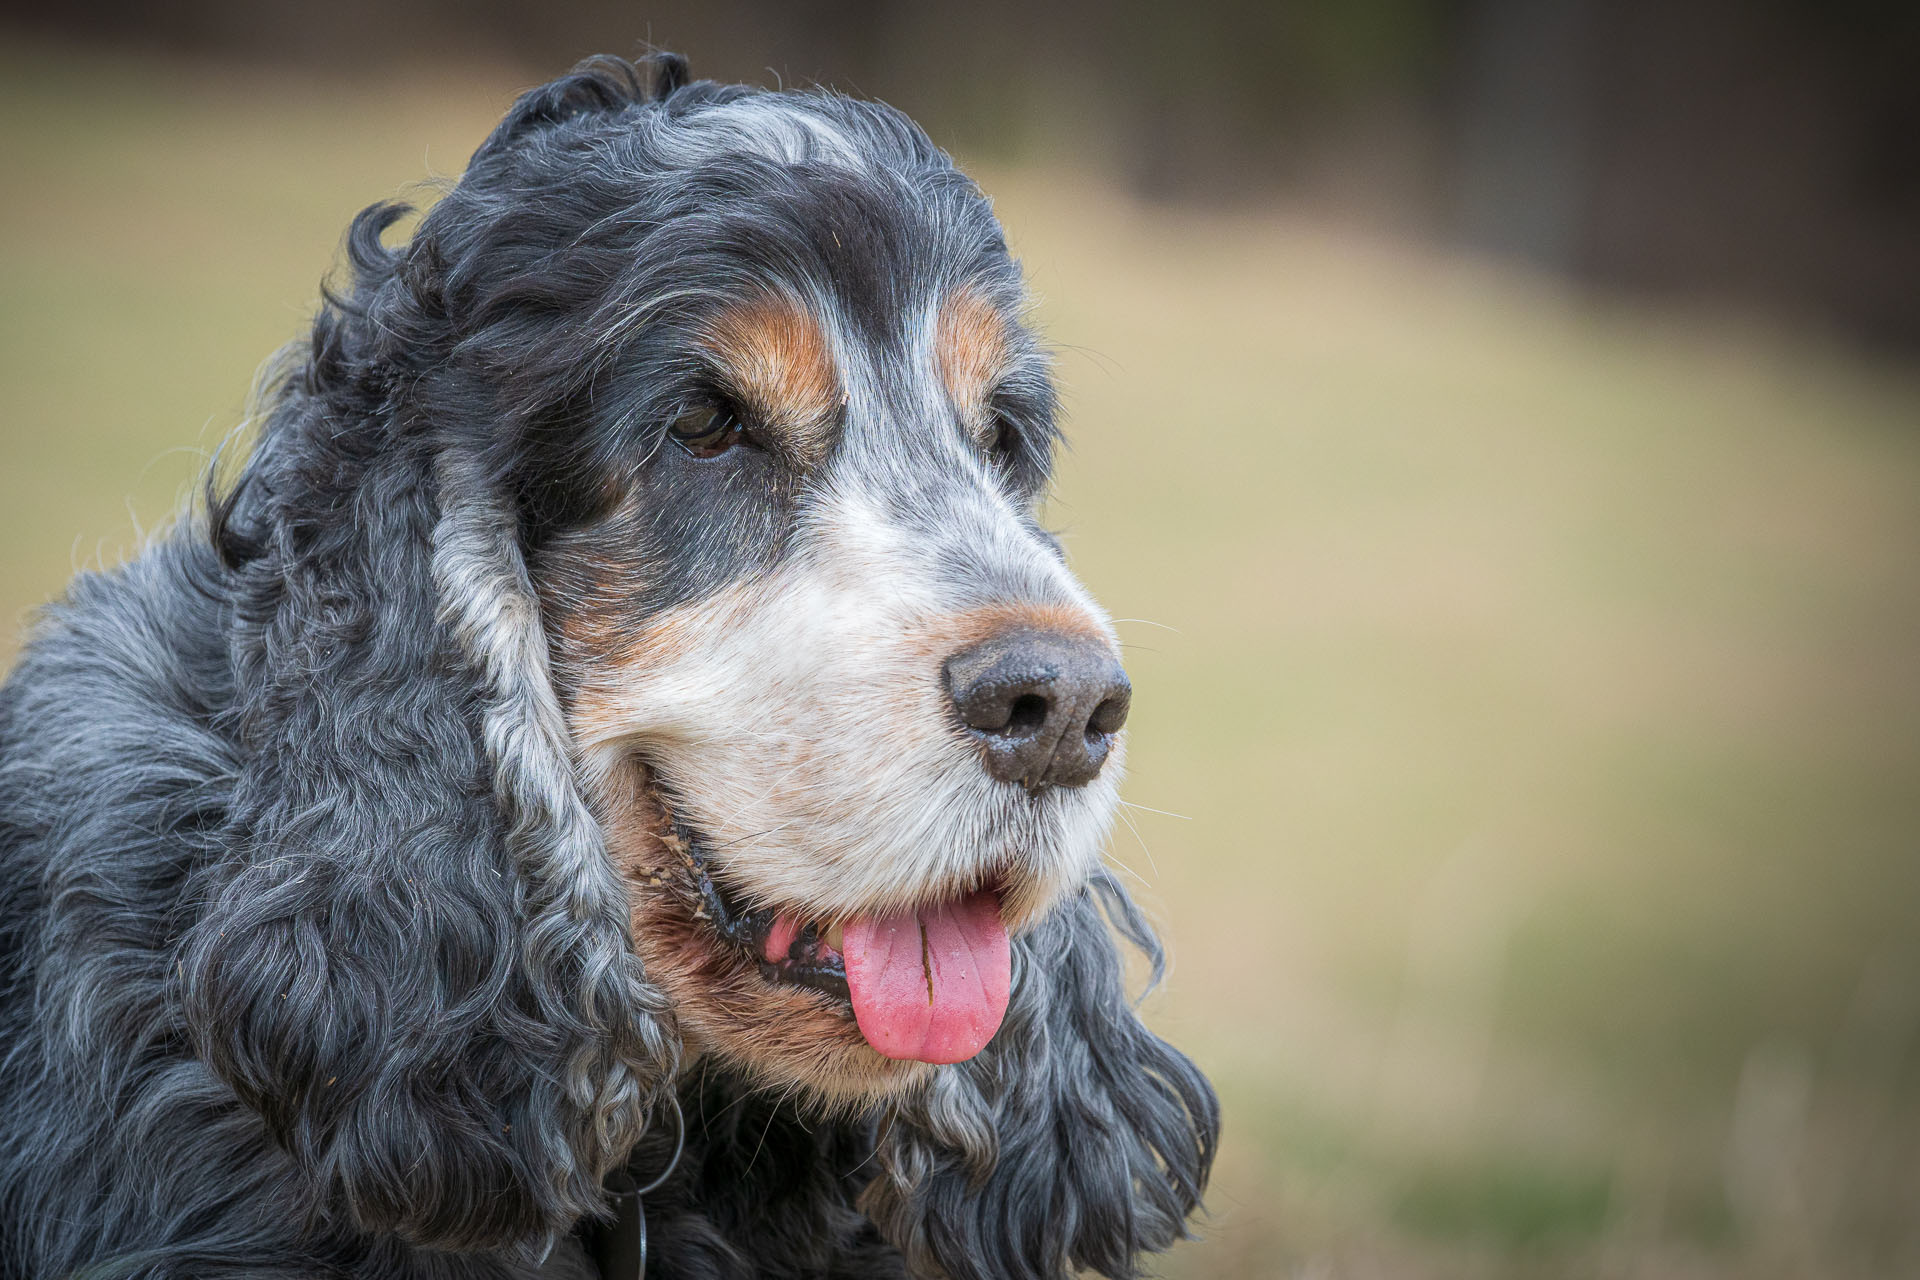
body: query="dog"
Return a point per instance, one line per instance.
(619, 761)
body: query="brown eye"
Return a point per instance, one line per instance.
(1006, 443)
(706, 431)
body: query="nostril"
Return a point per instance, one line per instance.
(1109, 717)
(1028, 713)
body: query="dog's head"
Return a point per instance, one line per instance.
(688, 456)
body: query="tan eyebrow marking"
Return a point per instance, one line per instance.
(776, 357)
(971, 344)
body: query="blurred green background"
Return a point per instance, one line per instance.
(1526, 762)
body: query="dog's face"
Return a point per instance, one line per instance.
(844, 715)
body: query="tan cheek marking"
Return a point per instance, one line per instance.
(619, 664)
(777, 357)
(584, 614)
(971, 346)
(587, 580)
(613, 662)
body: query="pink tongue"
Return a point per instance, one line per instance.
(930, 985)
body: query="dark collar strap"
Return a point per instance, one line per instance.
(619, 1248)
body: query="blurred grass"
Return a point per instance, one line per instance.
(1527, 740)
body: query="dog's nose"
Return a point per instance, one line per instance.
(1042, 705)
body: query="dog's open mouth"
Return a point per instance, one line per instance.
(928, 984)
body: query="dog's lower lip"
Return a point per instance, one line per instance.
(747, 929)
(808, 959)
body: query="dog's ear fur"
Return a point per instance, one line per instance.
(1077, 1141)
(413, 958)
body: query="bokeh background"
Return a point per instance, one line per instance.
(1498, 427)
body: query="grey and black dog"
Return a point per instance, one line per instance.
(626, 680)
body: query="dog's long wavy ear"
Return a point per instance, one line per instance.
(1077, 1141)
(413, 961)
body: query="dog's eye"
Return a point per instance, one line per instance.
(1005, 445)
(707, 431)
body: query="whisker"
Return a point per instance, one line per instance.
(1165, 813)
(756, 835)
(1114, 860)
(1143, 848)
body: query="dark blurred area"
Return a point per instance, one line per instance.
(1764, 152)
